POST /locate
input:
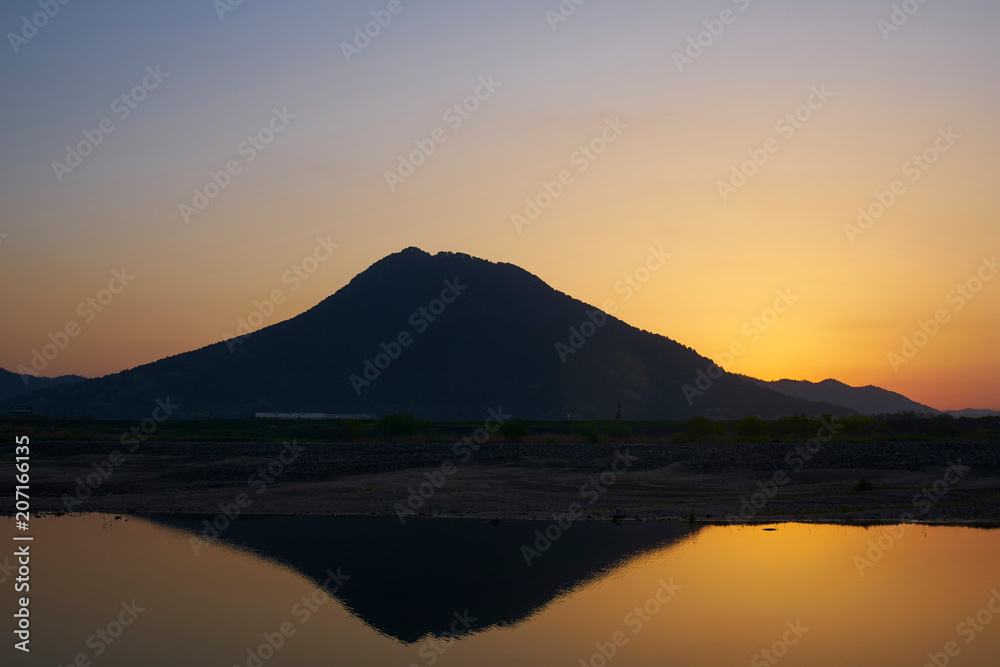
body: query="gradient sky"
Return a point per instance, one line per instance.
(655, 186)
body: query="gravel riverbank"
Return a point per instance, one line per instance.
(842, 481)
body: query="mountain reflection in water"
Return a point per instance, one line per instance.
(410, 580)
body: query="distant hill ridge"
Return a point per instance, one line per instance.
(869, 400)
(13, 384)
(972, 412)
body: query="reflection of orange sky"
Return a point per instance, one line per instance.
(739, 588)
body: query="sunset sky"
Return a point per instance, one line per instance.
(918, 105)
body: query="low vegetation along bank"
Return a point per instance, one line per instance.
(411, 429)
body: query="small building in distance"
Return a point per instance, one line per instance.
(312, 415)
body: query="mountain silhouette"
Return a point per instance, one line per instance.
(868, 400)
(409, 581)
(14, 384)
(389, 342)
(974, 413)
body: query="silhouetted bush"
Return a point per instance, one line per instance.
(346, 430)
(699, 427)
(515, 429)
(617, 429)
(797, 427)
(586, 430)
(941, 425)
(750, 427)
(857, 426)
(395, 426)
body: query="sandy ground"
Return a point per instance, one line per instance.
(918, 481)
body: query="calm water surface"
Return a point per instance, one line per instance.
(449, 592)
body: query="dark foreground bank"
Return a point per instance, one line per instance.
(804, 481)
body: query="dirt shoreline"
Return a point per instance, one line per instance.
(923, 482)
